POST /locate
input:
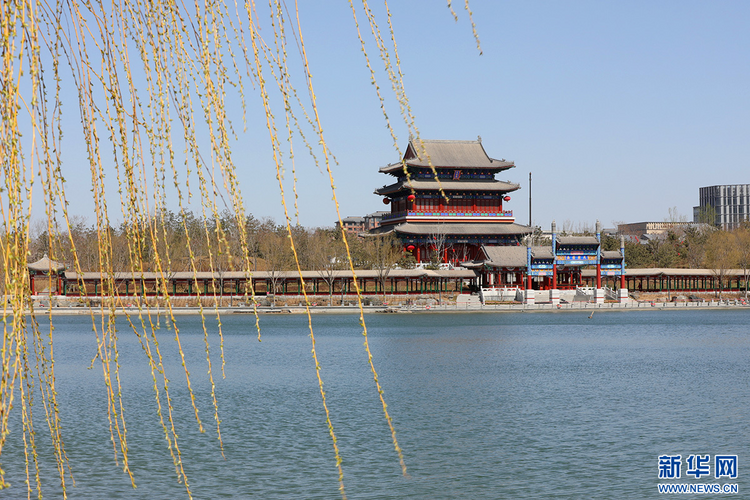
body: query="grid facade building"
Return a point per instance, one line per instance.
(729, 204)
(356, 225)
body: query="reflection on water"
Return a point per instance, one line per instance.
(486, 406)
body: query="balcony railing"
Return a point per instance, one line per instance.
(398, 215)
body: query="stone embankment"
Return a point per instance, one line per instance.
(466, 307)
(380, 304)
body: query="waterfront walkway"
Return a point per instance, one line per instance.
(590, 306)
(465, 307)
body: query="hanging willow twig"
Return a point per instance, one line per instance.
(153, 82)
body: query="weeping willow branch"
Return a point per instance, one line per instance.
(156, 83)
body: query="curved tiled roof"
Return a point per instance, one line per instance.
(450, 154)
(611, 254)
(577, 240)
(46, 264)
(542, 252)
(207, 275)
(505, 256)
(510, 256)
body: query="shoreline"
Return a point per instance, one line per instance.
(447, 308)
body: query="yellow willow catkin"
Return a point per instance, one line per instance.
(152, 81)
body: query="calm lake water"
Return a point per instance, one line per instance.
(486, 406)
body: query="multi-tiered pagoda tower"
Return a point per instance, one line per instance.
(449, 226)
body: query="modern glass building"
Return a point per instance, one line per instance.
(728, 205)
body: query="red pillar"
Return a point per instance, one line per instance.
(419, 259)
(622, 280)
(598, 275)
(445, 255)
(528, 282)
(554, 275)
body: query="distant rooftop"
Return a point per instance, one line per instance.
(639, 228)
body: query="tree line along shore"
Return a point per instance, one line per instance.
(186, 242)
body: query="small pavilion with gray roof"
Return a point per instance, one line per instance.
(46, 276)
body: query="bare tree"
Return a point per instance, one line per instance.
(440, 246)
(277, 256)
(328, 257)
(721, 255)
(676, 216)
(707, 215)
(743, 251)
(382, 253)
(695, 245)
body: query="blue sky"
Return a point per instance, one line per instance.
(621, 110)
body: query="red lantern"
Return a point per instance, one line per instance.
(411, 198)
(507, 198)
(386, 201)
(410, 248)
